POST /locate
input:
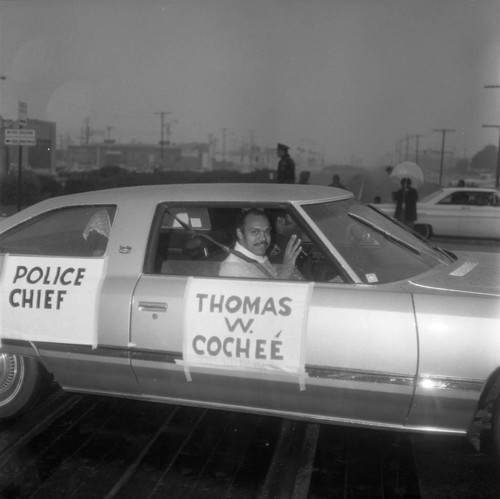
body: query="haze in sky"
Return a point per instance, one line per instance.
(346, 78)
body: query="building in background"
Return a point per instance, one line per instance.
(41, 158)
(135, 157)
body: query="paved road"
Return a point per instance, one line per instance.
(77, 446)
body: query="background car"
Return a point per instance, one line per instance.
(118, 292)
(458, 212)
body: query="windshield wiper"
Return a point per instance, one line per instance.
(448, 254)
(387, 235)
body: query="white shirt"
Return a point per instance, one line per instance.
(234, 266)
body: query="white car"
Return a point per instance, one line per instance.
(458, 212)
(119, 292)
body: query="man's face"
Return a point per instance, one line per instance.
(255, 236)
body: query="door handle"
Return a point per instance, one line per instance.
(152, 306)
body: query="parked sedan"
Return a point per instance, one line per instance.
(117, 292)
(458, 212)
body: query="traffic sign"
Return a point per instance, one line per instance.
(20, 137)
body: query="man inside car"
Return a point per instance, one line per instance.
(250, 259)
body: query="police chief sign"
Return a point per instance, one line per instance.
(49, 296)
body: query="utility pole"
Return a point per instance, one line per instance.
(498, 149)
(86, 132)
(399, 150)
(498, 154)
(443, 131)
(407, 147)
(162, 132)
(108, 134)
(168, 128)
(251, 148)
(224, 129)
(417, 142)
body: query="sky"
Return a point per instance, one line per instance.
(347, 79)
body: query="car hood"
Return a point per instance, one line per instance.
(475, 273)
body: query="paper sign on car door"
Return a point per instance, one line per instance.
(247, 325)
(50, 299)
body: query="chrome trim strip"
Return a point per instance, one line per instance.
(429, 382)
(359, 376)
(424, 381)
(451, 290)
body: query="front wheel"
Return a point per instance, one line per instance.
(424, 230)
(23, 382)
(495, 427)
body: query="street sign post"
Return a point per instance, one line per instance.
(22, 113)
(20, 137)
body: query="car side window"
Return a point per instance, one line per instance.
(460, 197)
(190, 240)
(485, 198)
(193, 241)
(78, 231)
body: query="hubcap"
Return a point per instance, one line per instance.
(11, 377)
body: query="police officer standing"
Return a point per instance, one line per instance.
(286, 166)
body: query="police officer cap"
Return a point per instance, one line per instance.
(282, 146)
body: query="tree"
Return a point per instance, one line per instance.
(485, 160)
(30, 189)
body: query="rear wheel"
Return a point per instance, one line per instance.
(23, 381)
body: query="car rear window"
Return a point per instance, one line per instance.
(77, 231)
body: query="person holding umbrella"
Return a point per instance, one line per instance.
(406, 198)
(407, 174)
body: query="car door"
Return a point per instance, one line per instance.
(479, 216)
(54, 284)
(299, 348)
(443, 215)
(351, 355)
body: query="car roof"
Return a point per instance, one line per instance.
(151, 195)
(469, 189)
(250, 193)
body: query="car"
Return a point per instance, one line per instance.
(118, 293)
(470, 212)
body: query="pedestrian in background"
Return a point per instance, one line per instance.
(336, 182)
(406, 198)
(304, 177)
(286, 166)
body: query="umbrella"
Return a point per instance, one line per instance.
(408, 169)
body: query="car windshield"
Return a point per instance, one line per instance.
(431, 196)
(374, 247)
